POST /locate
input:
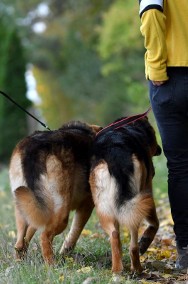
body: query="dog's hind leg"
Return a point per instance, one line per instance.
(134, 251)
(29, 234)
(150, 232)
(46, 246)
(111, 227)
(58, 223)
(20, 253)
(21, 225)
(82, 214)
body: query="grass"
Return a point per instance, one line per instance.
(160, 178)
(91, 259)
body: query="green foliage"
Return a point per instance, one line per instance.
(95, 59)
(120, 43)
(119, 32)
(4, 36)
(13, 124)
(89, 59)
(121, 52)
(55, 106)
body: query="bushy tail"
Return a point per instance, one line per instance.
(34, 209)
(138, 209)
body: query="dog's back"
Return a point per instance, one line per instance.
(49, 173)
(121, 174)
(47, 166)
(122, 160)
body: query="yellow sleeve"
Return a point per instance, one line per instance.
(153, 28)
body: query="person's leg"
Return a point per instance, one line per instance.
(170, 106)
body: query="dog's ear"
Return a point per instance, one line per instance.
(96, 128)
(158, 151)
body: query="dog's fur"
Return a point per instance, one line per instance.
(49, 176)
(121, 184)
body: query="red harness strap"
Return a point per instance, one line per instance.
(125, 121)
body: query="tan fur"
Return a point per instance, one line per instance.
(130, 214)
(139, 208)
(28, 206)
(64, 187)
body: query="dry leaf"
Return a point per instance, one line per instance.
(166, 242)
(86, 269)
(11, 234)
(61, 278)
(86, 232)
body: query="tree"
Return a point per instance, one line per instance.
(120, 47)
(94, 53)
(13, 122)
(89, 59)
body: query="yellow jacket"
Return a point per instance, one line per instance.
(164, 25)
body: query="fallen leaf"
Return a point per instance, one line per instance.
(164, 254)
(86, 232)
(166, 242)
(61, 278)
(69, 259)
(12, 234)
(167, 276)
(86, 269)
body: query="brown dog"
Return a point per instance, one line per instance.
(49, 173)
(121, 185)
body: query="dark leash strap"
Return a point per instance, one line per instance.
(19, 106)
(125, 121)
(112, 126)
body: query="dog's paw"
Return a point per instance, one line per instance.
(66, 250)
(20, 253)
(144, 244)
(136, 270)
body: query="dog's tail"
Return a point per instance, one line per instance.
(32, 207)
(139, 208)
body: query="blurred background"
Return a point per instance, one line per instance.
(64, 60)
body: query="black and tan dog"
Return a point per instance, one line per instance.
(121, 185)
(49, 176)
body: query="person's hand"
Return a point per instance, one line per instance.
(158, 83)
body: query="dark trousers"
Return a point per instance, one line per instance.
(170, 107)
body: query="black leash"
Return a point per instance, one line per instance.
(10, 99)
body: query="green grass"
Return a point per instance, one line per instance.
(91, 258)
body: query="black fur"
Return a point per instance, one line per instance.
(117, 146)
(75, 136)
